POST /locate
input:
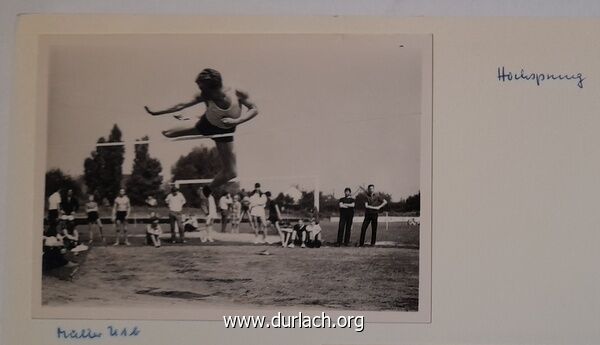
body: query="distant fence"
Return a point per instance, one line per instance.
(165, 220)
(383, 219)
(162, 220)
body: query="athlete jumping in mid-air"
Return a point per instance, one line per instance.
(223, 114)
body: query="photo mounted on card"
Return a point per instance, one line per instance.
(192, 176)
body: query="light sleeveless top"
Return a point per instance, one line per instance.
(215, 115)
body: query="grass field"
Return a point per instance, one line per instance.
(225, 272)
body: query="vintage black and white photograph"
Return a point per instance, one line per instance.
(252, 171)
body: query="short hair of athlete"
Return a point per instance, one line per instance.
(211, 78)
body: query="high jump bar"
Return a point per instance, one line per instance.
(182, 138)
(237, 179)
(315, 179)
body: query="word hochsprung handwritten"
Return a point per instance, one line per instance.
(538, 78)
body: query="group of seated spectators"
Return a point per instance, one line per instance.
(301, 234)
(61, 244)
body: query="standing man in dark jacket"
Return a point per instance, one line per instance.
(347, 204)
(373, 204)
(69, 205)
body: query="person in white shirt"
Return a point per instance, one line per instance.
(314, 233)
(224, 206)
(54, 202)
(209, 207)
(120, 212)
(258, 201)
(175, 200)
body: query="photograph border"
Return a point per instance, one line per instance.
(34, 28)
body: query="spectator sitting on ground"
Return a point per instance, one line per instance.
(54, 250)
(70, 237)
(287, 230)
(70, 234)
(299, 234)
(151, 201)
(153, 231)
(52, 231)
(413, 222)
(314, 233)
(190, 223)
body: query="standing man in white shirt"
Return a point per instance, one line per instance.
(209, 207)
(224, 206)
(175, 200)
(258, 201)
(54, 207)
(120, 213)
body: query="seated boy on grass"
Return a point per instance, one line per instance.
(287, 230)
(153, 231)
(314, 233)
(299, 235)
(70, 234)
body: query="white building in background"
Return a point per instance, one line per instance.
(294, 193)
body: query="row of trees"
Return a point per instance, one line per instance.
(103, 173)
(200, 163)
(103, 177)
(330, 204)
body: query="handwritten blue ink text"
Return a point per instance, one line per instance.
(88, 333)
(123, 332)
(538, 78)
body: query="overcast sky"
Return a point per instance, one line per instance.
(343, 107)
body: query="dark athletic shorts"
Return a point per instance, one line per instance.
(121, 216)
(92, 216)
(299, 230)
(206, 128)
(52, 216)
